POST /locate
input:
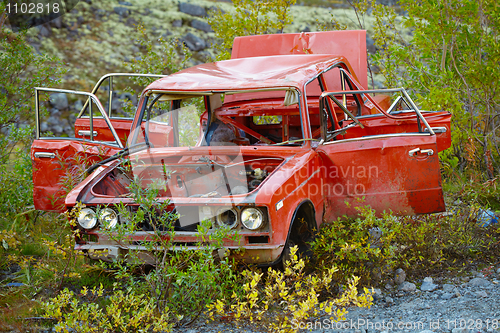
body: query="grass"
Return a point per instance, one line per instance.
(32, 249)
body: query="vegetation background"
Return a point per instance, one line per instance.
(445, 52)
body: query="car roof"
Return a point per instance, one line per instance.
(249, 73)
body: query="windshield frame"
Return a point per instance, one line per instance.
(143, 106)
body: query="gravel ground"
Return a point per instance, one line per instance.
(447, 304)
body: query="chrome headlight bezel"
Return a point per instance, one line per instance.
(108, 218)
(219, 219)
(252, 218)
(87, 218)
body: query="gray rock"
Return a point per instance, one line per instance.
(124, 3)
(194, 43)
(122, 11)
(116, 104)
(407, 286)
(447, 296)
(376, 274)
(479, 282)
(126, 96)
(78, 105)
(177, 23)
(44, 30)
(448, 288)
(399, 276)
(56, 23)
(370, 45)
(191, 9)
(481, 293)
(131, 22)
(374, 238)
(200, 25)
(427, 285)
(389, 300)
(44, 127)
(100, 12)
(57, 130)
(59, 100)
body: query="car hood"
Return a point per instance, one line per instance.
(187, 174)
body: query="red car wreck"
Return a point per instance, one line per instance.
(272, 143)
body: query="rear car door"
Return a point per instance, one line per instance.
(390, 171)
(62, 151)
(118, 93)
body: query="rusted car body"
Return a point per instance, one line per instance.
(273, 143)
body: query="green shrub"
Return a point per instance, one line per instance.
(347, 243)
(248, 18)
(122, 311)
(284, 301)
(419, 244)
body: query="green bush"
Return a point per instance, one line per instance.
(121, 311)
(284, 301)
(248, 18)
(419, 244)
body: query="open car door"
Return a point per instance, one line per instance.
(393, 167)
(92, 133)
(60, 160)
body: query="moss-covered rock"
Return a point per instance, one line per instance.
(97, 38)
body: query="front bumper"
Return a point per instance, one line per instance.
(134, 248)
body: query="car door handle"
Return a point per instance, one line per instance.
(428, 152)
(44, 154)
(86, 133)
(436, 129)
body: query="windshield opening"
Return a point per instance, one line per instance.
(175, 120)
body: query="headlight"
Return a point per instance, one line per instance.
(108, 218)
(252, 218)
(87, 218)
(227, 217)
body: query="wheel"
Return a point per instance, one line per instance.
(301, 236)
